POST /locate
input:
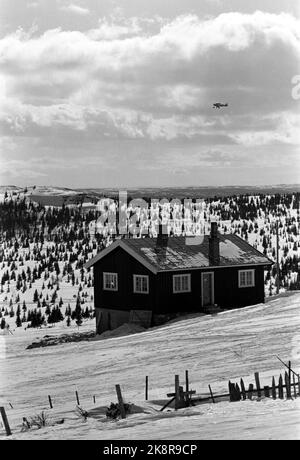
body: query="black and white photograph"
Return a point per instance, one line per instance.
(149, 223)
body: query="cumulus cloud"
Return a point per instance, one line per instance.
(76, 9)
(157, 82)
(114, 28)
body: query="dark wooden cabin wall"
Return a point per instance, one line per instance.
(161, 298)
(126, 266)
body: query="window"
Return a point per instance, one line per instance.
(181, 283)
(110, 281)
(140, 284)
(246, 278)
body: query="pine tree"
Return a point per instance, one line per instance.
(78, 312)
(68, 310)
(86, 313)
(18, 320)
(35, 296)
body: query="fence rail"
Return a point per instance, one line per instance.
(288, 387)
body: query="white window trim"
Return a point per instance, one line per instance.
(135, 277)
(253, 278)
(180, 276)
(104, 284)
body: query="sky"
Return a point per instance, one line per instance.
(120, 93)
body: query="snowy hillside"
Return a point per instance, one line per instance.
(214, 349)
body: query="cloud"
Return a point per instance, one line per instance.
(156, 79)
(76, 9)
(111, 29)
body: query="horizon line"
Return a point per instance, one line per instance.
(119, 187)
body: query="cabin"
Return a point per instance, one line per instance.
(150, 280)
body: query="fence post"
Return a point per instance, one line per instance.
(280, 387)
(50, 402)
(120, 400)
(238, 392)
(94, 399)
(177, 396)
(290, 372)
(243, 389)
(250, 391)
(77, 398)
(287, 385)
(298, 384)
(187, 397)
(146, 388)
(294, 385)
(181, 397)
(267, 391)
(232, 391)
(257, 382)
(5, 421)
(273, 388)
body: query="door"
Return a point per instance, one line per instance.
(207, 284)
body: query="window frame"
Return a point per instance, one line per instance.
(135, 277)
(252, 271)
(115, 289)
(181, 291)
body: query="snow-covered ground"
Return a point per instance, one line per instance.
(214, 349)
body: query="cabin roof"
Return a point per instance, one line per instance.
(184, 253)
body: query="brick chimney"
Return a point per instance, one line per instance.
(214, 245)
(162, 236)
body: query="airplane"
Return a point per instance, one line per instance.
(218, 105)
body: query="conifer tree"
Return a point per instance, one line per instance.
(78, 313)
(18, 319)
(35, 296)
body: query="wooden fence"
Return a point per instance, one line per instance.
(288, 387)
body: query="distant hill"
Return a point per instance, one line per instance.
(194, 192)
(56, 196)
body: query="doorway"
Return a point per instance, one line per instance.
(207, 289)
